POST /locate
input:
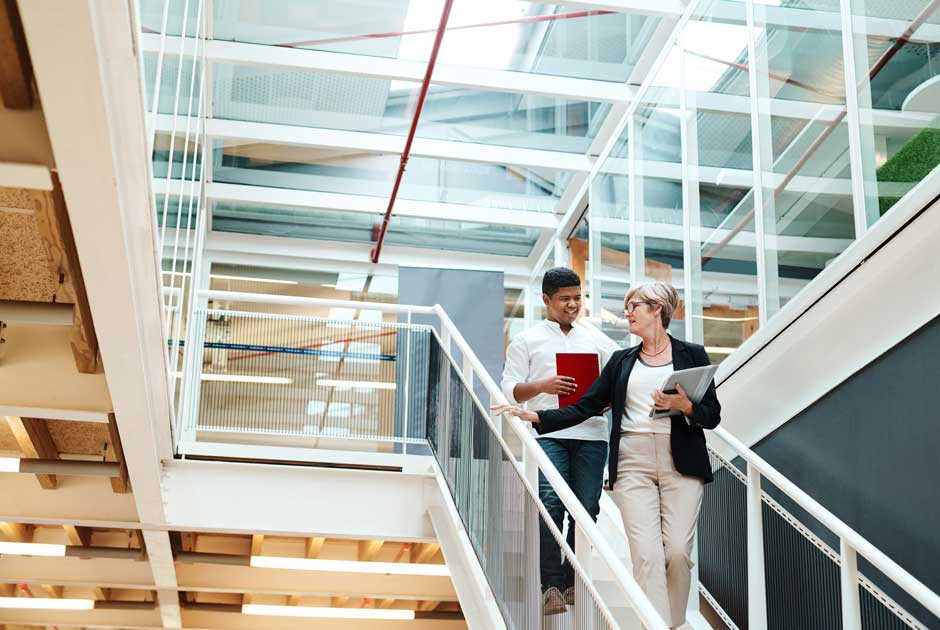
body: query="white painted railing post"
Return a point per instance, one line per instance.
(848, 577)
(445, 338)
(467, 369)
(756, 584)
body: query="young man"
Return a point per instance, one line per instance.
(579, 453)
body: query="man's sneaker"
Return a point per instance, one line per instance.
(569, 596)
(553, 602)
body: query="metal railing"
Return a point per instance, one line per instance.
(834, 591)
(534, 461)
(791, 549)
(298, 376)
(263, 373)
(500, 508)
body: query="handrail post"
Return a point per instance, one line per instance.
(848, 578)
(756, 583)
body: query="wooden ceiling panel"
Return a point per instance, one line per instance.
(25, 268)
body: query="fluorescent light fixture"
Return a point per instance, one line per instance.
(249, 279)
(9, 464)
(31, 549)
(348, 566)
(328, 382)
(328, 613)
(46, 603)
(244, 378)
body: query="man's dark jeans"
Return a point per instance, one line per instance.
(581, 464)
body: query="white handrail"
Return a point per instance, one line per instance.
(624, 579)
(295, 300)
(849, 536)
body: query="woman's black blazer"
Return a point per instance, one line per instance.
(687, 439)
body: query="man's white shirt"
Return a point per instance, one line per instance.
(531, 357)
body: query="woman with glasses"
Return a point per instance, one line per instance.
(657, 468)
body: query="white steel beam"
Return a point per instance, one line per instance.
(32, 176)
(666, 8)
(367, 204)
(367, 142)
(332, 502)
(261, 55)
(277, 251)
(95, 114)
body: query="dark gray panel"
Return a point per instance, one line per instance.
(868, 451)
(473, 300)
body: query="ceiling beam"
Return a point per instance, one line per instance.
(260, 55)
(257, 542)
(78, 535)
(422, 552)
(267, 196)
(16, 532)
(32, 436)
(16, 71)
(120, 484)
(380, 143)
(369, 549)
(313, 546)
(52, 220)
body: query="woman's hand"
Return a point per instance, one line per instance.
(678, 402)
(519, 412)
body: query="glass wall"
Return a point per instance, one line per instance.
(768, 138)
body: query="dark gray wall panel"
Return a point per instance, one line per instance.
(868, 452)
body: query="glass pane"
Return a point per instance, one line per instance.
(362, 228)
(899, 98)
(354, 103)
(723, 273)
(363, 173)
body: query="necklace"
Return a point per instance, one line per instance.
(653, 354)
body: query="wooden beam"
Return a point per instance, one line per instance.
(338, 602)
(426, 606)
(7, 590)
(257, 541)
(16, 532)
(102, 594)
(16, 69)
(368, 549)
(385, 603)
(53, 591)
(52, 219)
(293, 600)
(422, 552)
(313, 546)
(78, 536)
(32, 436)
(122, 483)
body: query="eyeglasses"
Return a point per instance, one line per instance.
(631, 306)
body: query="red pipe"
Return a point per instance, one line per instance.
(520, 20)
(445, 14)
(872, 73)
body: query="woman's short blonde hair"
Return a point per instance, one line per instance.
(660, 293)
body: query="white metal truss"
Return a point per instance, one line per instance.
(380, 143)
(399, 70)
(366, 204)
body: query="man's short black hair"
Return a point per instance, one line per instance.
(559, 278)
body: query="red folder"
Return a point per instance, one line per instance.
(582, 367)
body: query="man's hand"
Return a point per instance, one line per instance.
(678, 402)
(519, 412)
(558, 385)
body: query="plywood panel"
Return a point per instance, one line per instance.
(25, 272)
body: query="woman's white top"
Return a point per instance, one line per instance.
(644, 379)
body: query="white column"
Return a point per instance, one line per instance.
(848, 579)
(859, 118)
(765, 229)
(691, 209)
(756, 584)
